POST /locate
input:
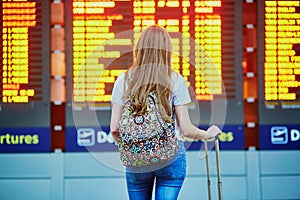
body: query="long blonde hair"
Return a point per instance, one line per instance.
(151, 71)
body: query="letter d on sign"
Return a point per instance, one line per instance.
(295, 135)
(101, 137)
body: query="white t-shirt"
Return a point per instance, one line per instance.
(180, 93)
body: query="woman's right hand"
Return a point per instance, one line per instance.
(213, 132)
(115, 134)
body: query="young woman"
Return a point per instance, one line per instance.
(152, 71)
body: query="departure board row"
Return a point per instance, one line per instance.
(104, 33)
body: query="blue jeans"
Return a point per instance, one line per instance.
(167, 177)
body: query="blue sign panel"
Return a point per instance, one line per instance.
(279, 136)
(14, 140)
(99, 139)
(89, 139)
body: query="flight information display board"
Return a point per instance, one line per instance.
(279, 74)
(24, 74)
(104, 34)
(205, 52)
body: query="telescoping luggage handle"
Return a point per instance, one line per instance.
(218, 169)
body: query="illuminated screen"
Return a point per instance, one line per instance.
(282, 50)
(21, 52)
(104, 33)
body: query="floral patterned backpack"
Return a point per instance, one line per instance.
(146, 139)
